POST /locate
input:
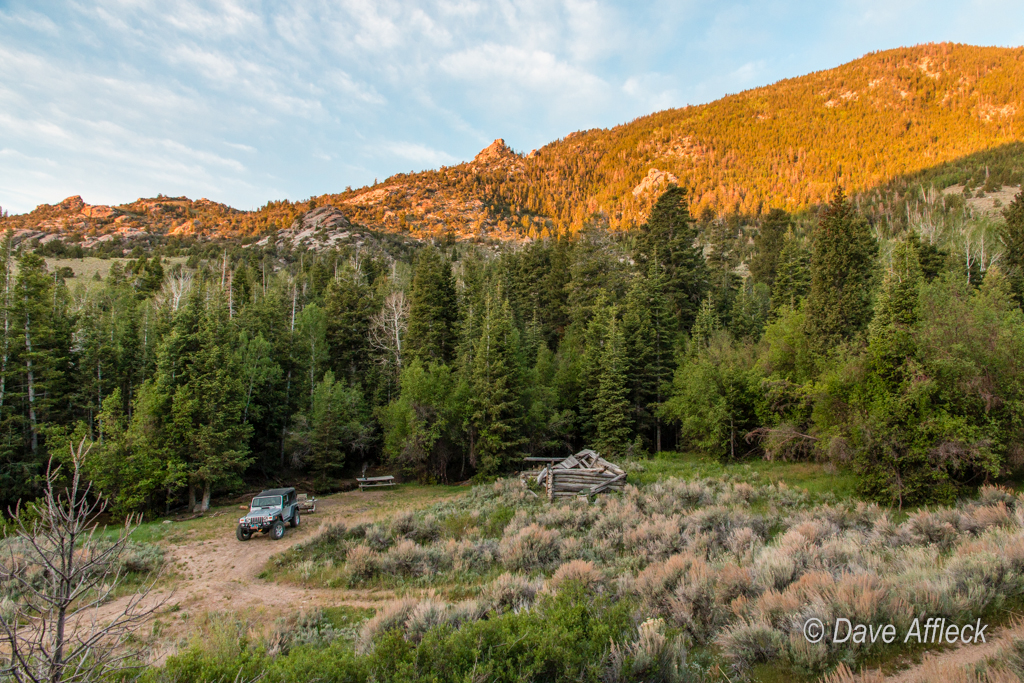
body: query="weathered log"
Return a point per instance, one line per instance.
(586, 485)
(610, 483)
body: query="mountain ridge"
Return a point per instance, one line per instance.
(863, 124)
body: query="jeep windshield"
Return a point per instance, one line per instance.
(266, 502)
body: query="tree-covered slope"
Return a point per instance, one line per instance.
(863, 124)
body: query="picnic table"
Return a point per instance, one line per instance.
(375, 482)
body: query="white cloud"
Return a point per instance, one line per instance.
(33, 20)
(214, 66)
(417, 153)
(242, 148)
(499, 67)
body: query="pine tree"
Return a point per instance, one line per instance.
(650, 333)
(839, 303)
(669, 236)
(611, 405)
(792, 274)
(34, 309)
(1013, 246)
(706, 324)
(349, 305)
(768, 246)
(496, 416)
(434, 310)
(890, 334)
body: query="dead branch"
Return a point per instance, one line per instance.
(55, 632)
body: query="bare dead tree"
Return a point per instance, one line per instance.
(178, 285)
(56, 631)
(387, 329)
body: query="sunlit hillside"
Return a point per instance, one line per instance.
(887, 115)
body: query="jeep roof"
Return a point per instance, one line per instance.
(275, 492)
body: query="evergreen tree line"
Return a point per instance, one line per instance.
(889, 358)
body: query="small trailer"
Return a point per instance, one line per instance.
(375, 482)
(306, 503)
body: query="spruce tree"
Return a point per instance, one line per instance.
(651, 334)
(792, 274)
(206, 412)
(434, 311)
(668, 236)
(750, 309)
(496, 416)
(589, 362)
(768, 246)
(1013, 246)
(892, 445)
(349, 304)
(839, 302)
(34, 317)
(890, 334)
(704, 327)
(311, 333)
(611, 403)
(639, 339)
(337, 425)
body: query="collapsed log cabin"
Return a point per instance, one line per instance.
(585, 473)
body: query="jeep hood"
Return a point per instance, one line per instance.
(263, 512)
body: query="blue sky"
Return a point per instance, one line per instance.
(243, 102)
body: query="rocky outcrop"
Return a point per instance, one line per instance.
(495, 151)
(75, 203)
(322, 218)
(321, 228)
(654, 179)
(101, 211)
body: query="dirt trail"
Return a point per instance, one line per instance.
(939, 666)
(222, 573)
(218, 573)
(949, 664)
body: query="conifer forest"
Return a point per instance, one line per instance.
(198, 367)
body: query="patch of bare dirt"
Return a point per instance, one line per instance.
(953, 665)
(216, 572)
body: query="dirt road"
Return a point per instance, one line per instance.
(212, 571)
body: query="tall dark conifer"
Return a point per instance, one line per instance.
(611, 403)
(792, 274)
(434, 313)
(497, 411)
(842, 258)
(1013, 249)
(670, 234)
(768, 246)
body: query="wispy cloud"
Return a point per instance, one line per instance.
(246, 101)
(417, 153)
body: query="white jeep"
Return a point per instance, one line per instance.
(268, 513)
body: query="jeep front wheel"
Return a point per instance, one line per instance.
(277, 531)
(242, 535)
(295, 519)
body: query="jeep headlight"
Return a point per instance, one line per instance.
(241, 520)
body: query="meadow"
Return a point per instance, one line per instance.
(676, 579)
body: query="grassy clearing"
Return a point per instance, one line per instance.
(86, 268)
(812, 477)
